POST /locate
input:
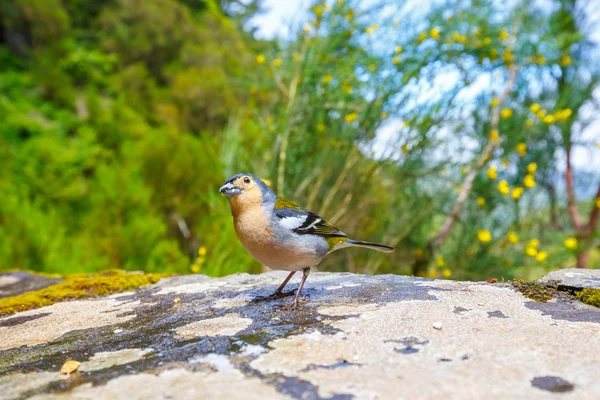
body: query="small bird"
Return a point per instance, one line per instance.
(280, 234)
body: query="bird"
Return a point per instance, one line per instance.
(279, 233)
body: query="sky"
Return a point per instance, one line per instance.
(280, 15)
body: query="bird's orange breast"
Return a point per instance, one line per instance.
(253, 228)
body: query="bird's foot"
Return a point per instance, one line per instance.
(294, 304)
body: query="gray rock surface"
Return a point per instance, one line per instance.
(357, 337)
(14, 283)
(572, 278)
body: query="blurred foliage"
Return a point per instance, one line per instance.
(120, 120)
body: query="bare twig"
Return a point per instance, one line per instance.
(467, 185)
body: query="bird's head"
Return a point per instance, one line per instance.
(245, 190)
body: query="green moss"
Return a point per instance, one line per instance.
(534, 291)
(283, 203)
(78, 286)
(590, 296)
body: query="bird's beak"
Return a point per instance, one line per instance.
(230, 190)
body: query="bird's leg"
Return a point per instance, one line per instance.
(279, 290)
(305, 273)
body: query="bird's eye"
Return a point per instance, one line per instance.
(246, 179)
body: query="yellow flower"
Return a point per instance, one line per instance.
(326, 79)
(541, 256)
(480, 202)
(384, 115)
(517, 193)
(260, 59)
(320, 127)
(432, 273)
(541, 114)
(371, 29)
(202, 249)
(195, 268)
(565, 60)
(506, 113)
(347, 88)
(200, 260)
(531, 168)
(508, 56)
(399, 49)
(571, 243)
(458, 37)
(529, 181)
(529, 123)
(535, 243)
(535, 107)
(495, 101)
(484, 236)
(318, 10)
(522, 149)
(277, 63)
(503, 34)
(350, 117)
(492, 173)
(435, 33)
(565, 114)
(446, 273)
(405, 123)
(512, 237)
(405, 148)
(486, 41)
(422, 37)
(396, 60)
(503, 187)
(336, 143)
(531, 251)
(439, 261)
(539, 59)
(549, 119)
(494, 136)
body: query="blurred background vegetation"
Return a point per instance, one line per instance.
(462, 134)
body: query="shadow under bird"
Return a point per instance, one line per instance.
(280, 234)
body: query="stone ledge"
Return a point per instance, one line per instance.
(357, 337)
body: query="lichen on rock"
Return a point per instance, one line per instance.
(78, 286)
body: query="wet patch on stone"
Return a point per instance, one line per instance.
(339, 364)
(553, 384)
(13, 321)
(496, 314)
(567, 310)
(290, 386)
(411, 344)
(23, 282)
(459, 310)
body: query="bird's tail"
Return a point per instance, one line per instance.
(374, 246)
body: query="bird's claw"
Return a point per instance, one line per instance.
(294, 304)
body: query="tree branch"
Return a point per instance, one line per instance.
(571, 200)
(595, 214)
(467, 185)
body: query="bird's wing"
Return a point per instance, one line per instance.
(302, 221)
